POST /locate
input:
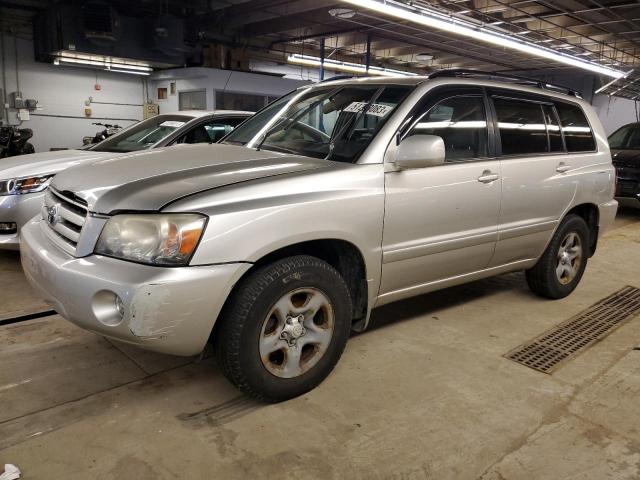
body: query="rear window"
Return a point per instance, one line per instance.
(553, 129)
(522, 127)
(577, 133)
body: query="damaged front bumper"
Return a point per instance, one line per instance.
(169, 310)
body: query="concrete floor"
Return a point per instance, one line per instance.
(426, 393)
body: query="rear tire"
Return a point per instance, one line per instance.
(562, 265)
(284, 328)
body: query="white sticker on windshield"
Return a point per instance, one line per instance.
(172, 124)
(375, 109)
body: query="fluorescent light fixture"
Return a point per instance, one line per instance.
(113, 64)
(127, 71)
(101, 63)
(434, 19)
(604, 87)
(330, 64)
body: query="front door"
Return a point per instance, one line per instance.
(441, 222)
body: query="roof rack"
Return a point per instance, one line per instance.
(460, 72)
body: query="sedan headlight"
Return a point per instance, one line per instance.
(155, 239)
(22, 185)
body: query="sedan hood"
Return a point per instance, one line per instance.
(150, 180)
(47, 162)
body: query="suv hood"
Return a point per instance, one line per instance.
(150, 180)
(47, 162)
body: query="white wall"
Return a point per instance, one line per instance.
(61, 92)
(614, 112)
(212, 80)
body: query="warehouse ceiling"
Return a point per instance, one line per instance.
(603, 31)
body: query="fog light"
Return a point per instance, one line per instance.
(108, 308)
(119, 306)
(7, 228)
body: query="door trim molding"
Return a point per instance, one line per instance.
(452, 281)
(424, 249)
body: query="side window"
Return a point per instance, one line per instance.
(461, 122)
(220, 127)
(553, 129)
(195, 135)
(211, 131)
(575, 127)
(521, 125)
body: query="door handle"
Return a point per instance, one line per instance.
(488, 177)
(563, 167)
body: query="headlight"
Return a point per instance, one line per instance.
(153, 239)
(19, 186)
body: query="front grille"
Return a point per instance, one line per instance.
(64, 215)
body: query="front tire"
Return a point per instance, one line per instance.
(562, 265)
(284, 328)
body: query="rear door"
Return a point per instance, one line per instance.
(538, 183)
(441, 222)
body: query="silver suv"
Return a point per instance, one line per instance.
(333, 200)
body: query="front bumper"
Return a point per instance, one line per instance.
(169, 310)
(19, 209)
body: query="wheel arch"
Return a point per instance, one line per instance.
(591, 215)
(342, 255)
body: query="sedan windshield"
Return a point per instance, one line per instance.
(336, 123)
(626, 138)
(142, 135)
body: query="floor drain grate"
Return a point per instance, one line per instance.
(547, 351)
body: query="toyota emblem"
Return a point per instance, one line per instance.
(52, 215)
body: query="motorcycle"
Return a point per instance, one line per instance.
(14, 141)
(108, 131)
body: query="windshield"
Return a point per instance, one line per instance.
(626, 138)
(142, 135)
(336, 123)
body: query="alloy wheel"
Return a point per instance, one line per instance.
(297, 332)
(569, 258)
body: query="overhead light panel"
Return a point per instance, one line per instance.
(131, 72)
(350, 67)
(435, 19)
(342, 13)
(106, 63)
(423, 57)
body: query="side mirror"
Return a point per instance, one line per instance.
(420, 151)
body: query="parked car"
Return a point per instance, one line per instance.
(333, 200)
(23, 179)
(625, 150)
